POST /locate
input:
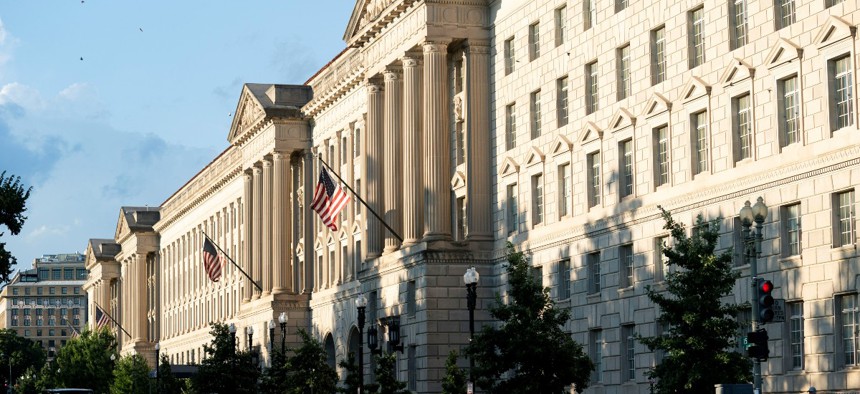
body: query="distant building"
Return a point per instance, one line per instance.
(46, 303)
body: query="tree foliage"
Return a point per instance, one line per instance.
(701, 328)
(274, 378)
(352, 381)
(308, 369)
(529, 351)
(386, 379)
(85, 362)
(13, 204)
(225, 370)
(131, 376)
(455, 378)
(167, 383)
(22, 353)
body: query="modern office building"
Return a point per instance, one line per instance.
(46, 303)
(559, 126)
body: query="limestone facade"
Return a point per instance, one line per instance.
(557, 125)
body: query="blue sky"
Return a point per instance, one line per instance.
(146, 108)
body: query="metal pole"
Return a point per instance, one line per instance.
(283, 338)
(272, 345)
(471, 298)
(755, 250)
(360, 349)
(157, 374)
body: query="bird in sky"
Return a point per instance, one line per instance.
(141, 29)
(82, 58)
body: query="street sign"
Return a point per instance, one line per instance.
(778, 310)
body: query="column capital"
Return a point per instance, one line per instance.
(436, 46)
(411, 60)
(257, 168)
(392, 73)
(267, 161)
(477, 46)
(373, 85)
(280, 156)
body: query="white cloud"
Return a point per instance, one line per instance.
(21, 95)
(3, 33)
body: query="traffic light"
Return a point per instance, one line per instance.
(757, 345)
(765, 300)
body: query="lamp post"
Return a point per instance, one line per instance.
(250, 331)
(283, 320)
(361, 305)
(752, 250)
(470, 278)
(271, 342)
(232, 329)
(157, 377)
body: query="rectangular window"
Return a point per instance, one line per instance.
(461, 218)
(795, 334)
(534, 41)
(410, 298)
(537, 275)
(356, 143)
(700, 134)
(513, 208)
(591, 95)
(696, 20)
(596, 341)
(594, 186)
(625, 255)
(660, 261)
(849, 327)
(564, 279)
(791, 230)
(509, 56)
(537, 199)
(784, 13)
(356, 255)
(843, 204)
(536, 114)
(623, 62)
(560, 25)
(661, 155)
(831, 3)
(658, 55)
(620, 5)
(594, 273)
(628, 339)
(589, 14)
(510, 127)
(562, 100)
(738, 22)
(789, 110)
(743, 127)
(460, 138)
(564, 190)
(412, 368)
(841, 99)
(357, 190)
(343, 150)
(625, 149)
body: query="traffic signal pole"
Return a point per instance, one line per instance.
(750, 253)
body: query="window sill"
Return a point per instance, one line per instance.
(791, 261)
(626, 291)
(592, 296)
(744, 162)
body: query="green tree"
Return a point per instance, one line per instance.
(385, 376)
(225, 370)
(309, 370)
(13, 204)
(351, 383)
(28, 382)
(701, 328)
(455, 379)
(274, 378)
(131, 376)
(167, 383)
(85, 362)
(528, 351)
(18, 354)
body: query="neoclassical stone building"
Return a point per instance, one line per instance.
(557, 125)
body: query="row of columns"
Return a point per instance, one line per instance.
(266, 252)
(133, 300)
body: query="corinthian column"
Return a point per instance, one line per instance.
(437, 144)
(393, 165)
(413, 181)
(373, 159)
(140, 323)
(267, 227)
(478, 187)
(281, 228)
(257, 225)
(248, 236)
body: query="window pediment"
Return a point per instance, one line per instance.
(695, 88)
(534, 156)
(458, 181)
(738, 71)
(561, 145)
(783, 52)
(509, 167)
(621, 119)
(657, 104)
(590, 132)
(834, 30)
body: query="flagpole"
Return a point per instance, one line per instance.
(75, 330)
(231, 260)
(112, 319)
(360, 200)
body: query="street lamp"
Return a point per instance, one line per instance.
(271, 341)
(470, 278)
(283, 320)
(373, 339)
(250, 331)
(232, 329)
(157, 377)
(361, 305)
(394, 335)
(752, 250)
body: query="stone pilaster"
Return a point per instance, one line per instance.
(373, 161)
(248, 236)
(257, 225)
(308, 220)
(393, 165)
(282, 262)
(478, 177)
(437, 144)
(413, 181)
(266, 233)
(140, 305)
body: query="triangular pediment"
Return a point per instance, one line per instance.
(318, 244)
(300, 249)
(374, 14)
(534, 156)
(783, 52)
(695, 88)
(657, 104)
(356, 228)
(248, 112)
(508, 167)
(590, 132)
(621, 119)
(738, 71)
(834, 29)
(122, 228)
(342, 234)
(561, 145)
(458, 180)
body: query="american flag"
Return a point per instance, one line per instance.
(102, 318)
(328, 200)
(211, 261)
(75, 332)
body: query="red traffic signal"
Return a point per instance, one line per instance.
(764, 288)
